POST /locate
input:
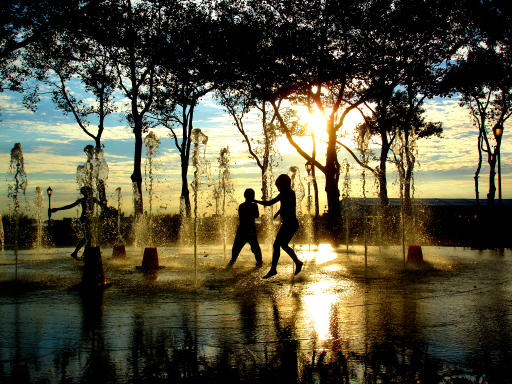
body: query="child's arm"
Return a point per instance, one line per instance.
(269, 202)
(277, 213)
(69, 206)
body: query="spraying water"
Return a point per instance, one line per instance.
(346, 192)
(152, 143)
(294, 174)
(94, 174)
(399, 154)
(363, 145)
(39, 211)
(17, 170)
(185, 234)
(200, 168)
(267, 219)
(308, 221)
(2, 236)
(119, 198)
(298, 187)
(223, 193)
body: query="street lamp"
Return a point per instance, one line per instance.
(49, 192)
(309, 167)
(498, 132)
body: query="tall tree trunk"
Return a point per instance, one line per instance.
(383, 189)
(407, 188)
(381, 176)
(137, 122)
(332, 173)
(185, 193)
(315, 185)
(409, 167)
(478, 168)
(137, 174)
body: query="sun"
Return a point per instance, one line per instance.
(318, 121)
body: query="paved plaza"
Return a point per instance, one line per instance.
(448, 319)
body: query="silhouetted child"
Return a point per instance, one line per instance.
(246, 232)
(289, 226)
(87, 202)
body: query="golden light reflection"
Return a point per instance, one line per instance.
(317, 121)
(325, 253)
(319, 308)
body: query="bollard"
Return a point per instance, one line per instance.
(415, 254)
(150, 260)
(93, 273)
(119, 251)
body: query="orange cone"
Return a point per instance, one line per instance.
(415, 254)
(93, 267)
(119, 251)
(150, 260)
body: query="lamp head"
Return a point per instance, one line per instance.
(498, 130)
(49, 191)
(309, 167)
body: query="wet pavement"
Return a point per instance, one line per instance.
(447, 320)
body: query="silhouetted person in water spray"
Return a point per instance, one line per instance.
(87, 202)
(246, 232)
(290, 223)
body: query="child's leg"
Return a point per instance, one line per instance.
(283, 237)
(275, 254)
(80, 244)
(255, 248)
(238, 244)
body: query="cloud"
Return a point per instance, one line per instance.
(54, 141)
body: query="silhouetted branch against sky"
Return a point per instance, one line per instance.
(331, 57)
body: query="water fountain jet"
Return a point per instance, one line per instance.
(39, 207)
(119, 249)
(223, 192)
(150, 257)
(197, 138)
(346, 198)
(17, 170)
(2, 236)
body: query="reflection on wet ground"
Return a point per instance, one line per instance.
(446, 320)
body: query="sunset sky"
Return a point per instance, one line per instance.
(53, 148)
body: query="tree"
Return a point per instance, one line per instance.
(264, 150)
(134, 48)
(25, 22)
(305, 58)
(481, 75)
(409, 52)
(411, 126)
(489, 102)
(58, 64)
(188, 73)
(340, 57)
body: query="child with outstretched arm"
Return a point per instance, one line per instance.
(246, 232)
(290, 223)
(87, 202)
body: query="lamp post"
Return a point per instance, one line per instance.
(309, 166)
(49, 192)
(498, 132)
